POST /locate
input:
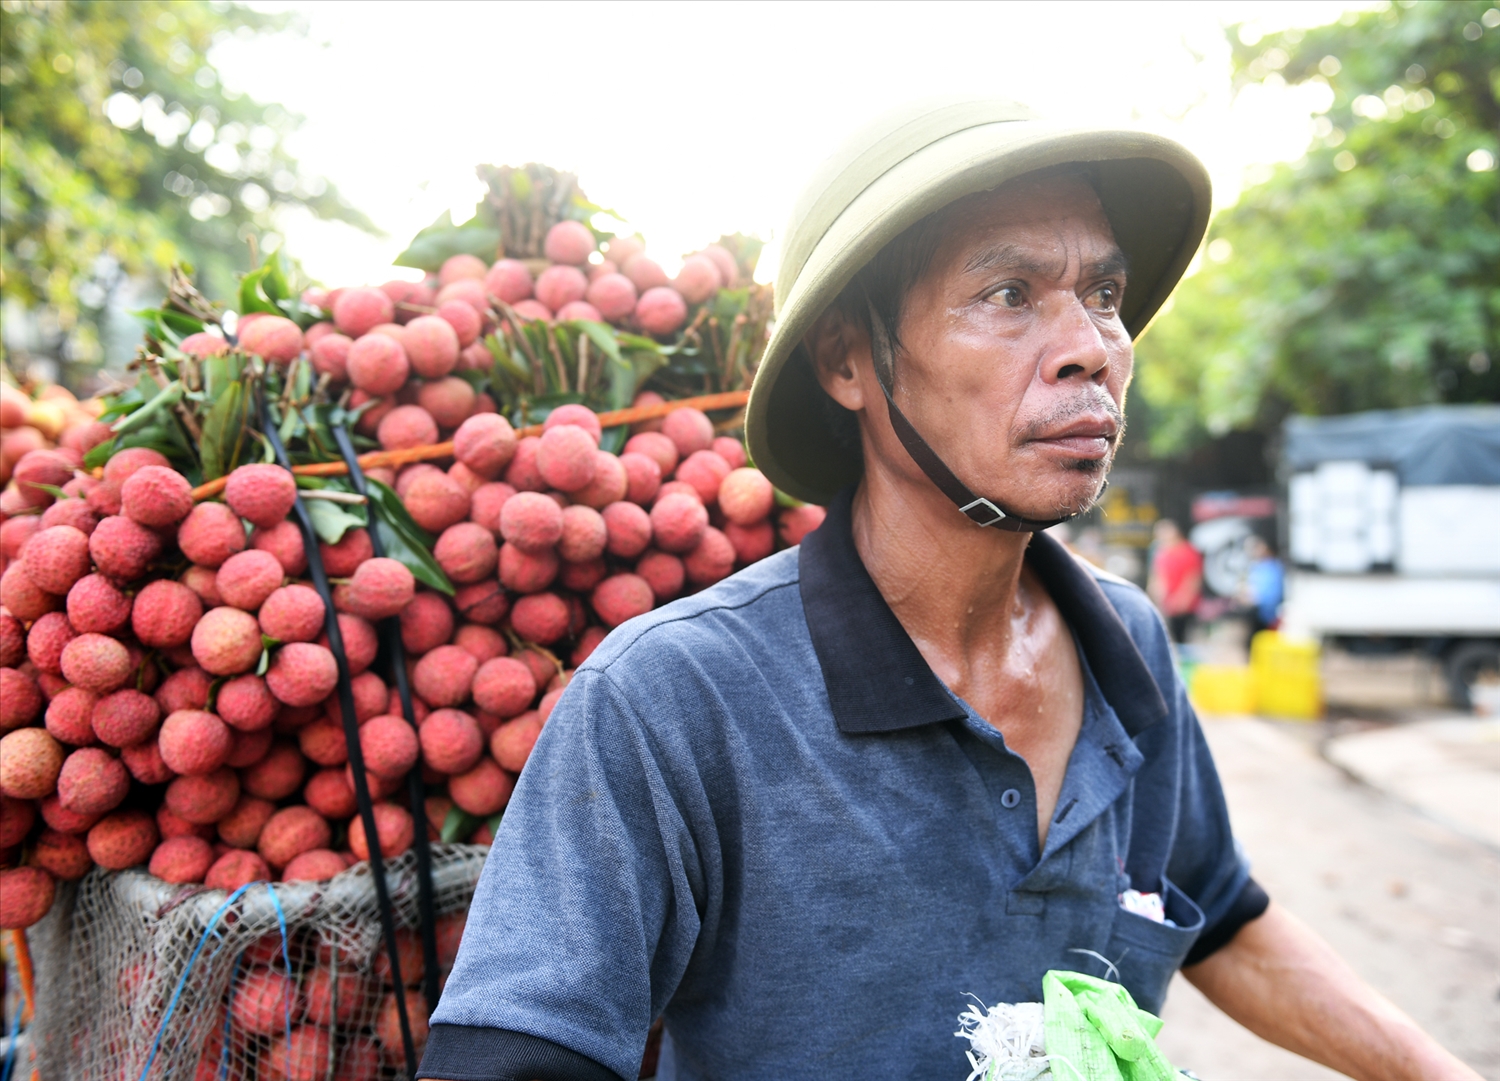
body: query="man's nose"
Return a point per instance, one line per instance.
(1073, 347)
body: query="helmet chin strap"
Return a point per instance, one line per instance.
(978, 509)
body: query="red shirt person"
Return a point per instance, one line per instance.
(1176, 581)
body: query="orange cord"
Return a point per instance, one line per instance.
(27, 973)
(732, 399)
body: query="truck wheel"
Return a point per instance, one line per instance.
(1469, 664)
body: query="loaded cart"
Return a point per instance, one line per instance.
(284, 619)
(1393, 529)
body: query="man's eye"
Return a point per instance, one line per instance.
(1009, 297)
(1106, 297)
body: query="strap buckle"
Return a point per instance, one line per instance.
(976, 510)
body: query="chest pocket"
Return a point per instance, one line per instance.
(1147, 953)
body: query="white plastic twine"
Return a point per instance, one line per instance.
(1008, 1041)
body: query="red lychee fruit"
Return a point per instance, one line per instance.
(622, 597)
(466, 290)
(444, 676)
(56, 558)
(242, 826)
(458, 267)
(62, 855)
(504, 686)
(324, 742)
(156, 497)
(431, 346)
(569, 242)
(657, 447)
(629, 529)
(124, 718)
(145, 763)
(360, 642)
(330, 356)
(226, 641)
(482, 602)
(677, 522)
(752, 542)
(235, 869)
(379, 588)
(316, 865)
(186, 688)
(264, 1000)
(74, 512)
(377, 364)
(262, 494)
(343, 559)
(277, 775)
(798, 522)
(70, 718)
(180, 860)
(689, 429)
(483, 790)
(660, 311)
(464, 318)
(203, 344)
(293, 613)
(247, 579)
(450, 400)
(665, 574)
(522, 474)
(210, 534)
(249, 748)
(588, 641)
(704, 471)
(483, 643)
(123, 839)
(512, 742)
(575, 416)
(329, 793)
(436, 501)
(302, 674)
(560, 285)
(697, 280)
(466, 552)
(609, 484)
(389, 746)
(30, 761)
(47, 639)
(531, 521)
(711, 560)
(565, 458)
(579, 309)
(290, 832)
(524, 572)
(193, 742)
(357, 310)
(21, 596)
(407, 426)
(583, 534)
(646, 274)
(121, 549)
(540, 617)
(613, 295)
(246, 703)
(426, 623)
(274, 338)
(746, 496)
(96, 663)
(166, 612)
(393, 827)
(284, 541)
(26, 895)
(485, 443)
(508, 280)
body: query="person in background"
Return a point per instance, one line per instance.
(1176, 580)
(1263, 586)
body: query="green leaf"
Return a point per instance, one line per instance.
(221, 433)
(332, 520)
(170, 395)
(52, 489)
(403, 540)
(459, 825)
(99, 454)
(442, 239)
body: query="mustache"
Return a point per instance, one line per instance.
(1086, 403)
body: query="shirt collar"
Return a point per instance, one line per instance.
(877, 679)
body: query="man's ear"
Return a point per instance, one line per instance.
(832, 343)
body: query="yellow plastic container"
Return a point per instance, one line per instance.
(1223, 689)
(1286, 677)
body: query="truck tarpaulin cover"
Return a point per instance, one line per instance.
(1440, 444)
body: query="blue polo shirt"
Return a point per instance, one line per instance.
(758, 814)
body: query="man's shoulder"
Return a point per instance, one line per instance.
(761, 601)
(1141, 619)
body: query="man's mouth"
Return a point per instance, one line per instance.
(1091, 436)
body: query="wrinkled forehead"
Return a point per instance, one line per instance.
(1054, 215)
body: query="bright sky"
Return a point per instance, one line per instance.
(694, 120)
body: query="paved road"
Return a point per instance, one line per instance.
(1413, 906)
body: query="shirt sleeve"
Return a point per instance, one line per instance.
(585, 913)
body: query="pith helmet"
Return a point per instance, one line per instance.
(905, 166)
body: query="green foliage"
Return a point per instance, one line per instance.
(1366, 275)
(122, 154)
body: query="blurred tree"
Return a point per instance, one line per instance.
(1367, 274)
(121, 152)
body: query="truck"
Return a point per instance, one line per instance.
(1392, 538)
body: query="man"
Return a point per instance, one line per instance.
(803, 813)
(1176, 579)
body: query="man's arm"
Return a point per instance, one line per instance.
(1280, 980)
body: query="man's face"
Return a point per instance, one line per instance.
(1014, 360)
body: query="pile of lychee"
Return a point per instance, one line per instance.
(168, 695)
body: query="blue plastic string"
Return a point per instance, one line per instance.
(286, 960)
(182, 981)
(10, 1048)
(228, 1004)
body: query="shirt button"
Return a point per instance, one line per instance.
(1009, 798)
